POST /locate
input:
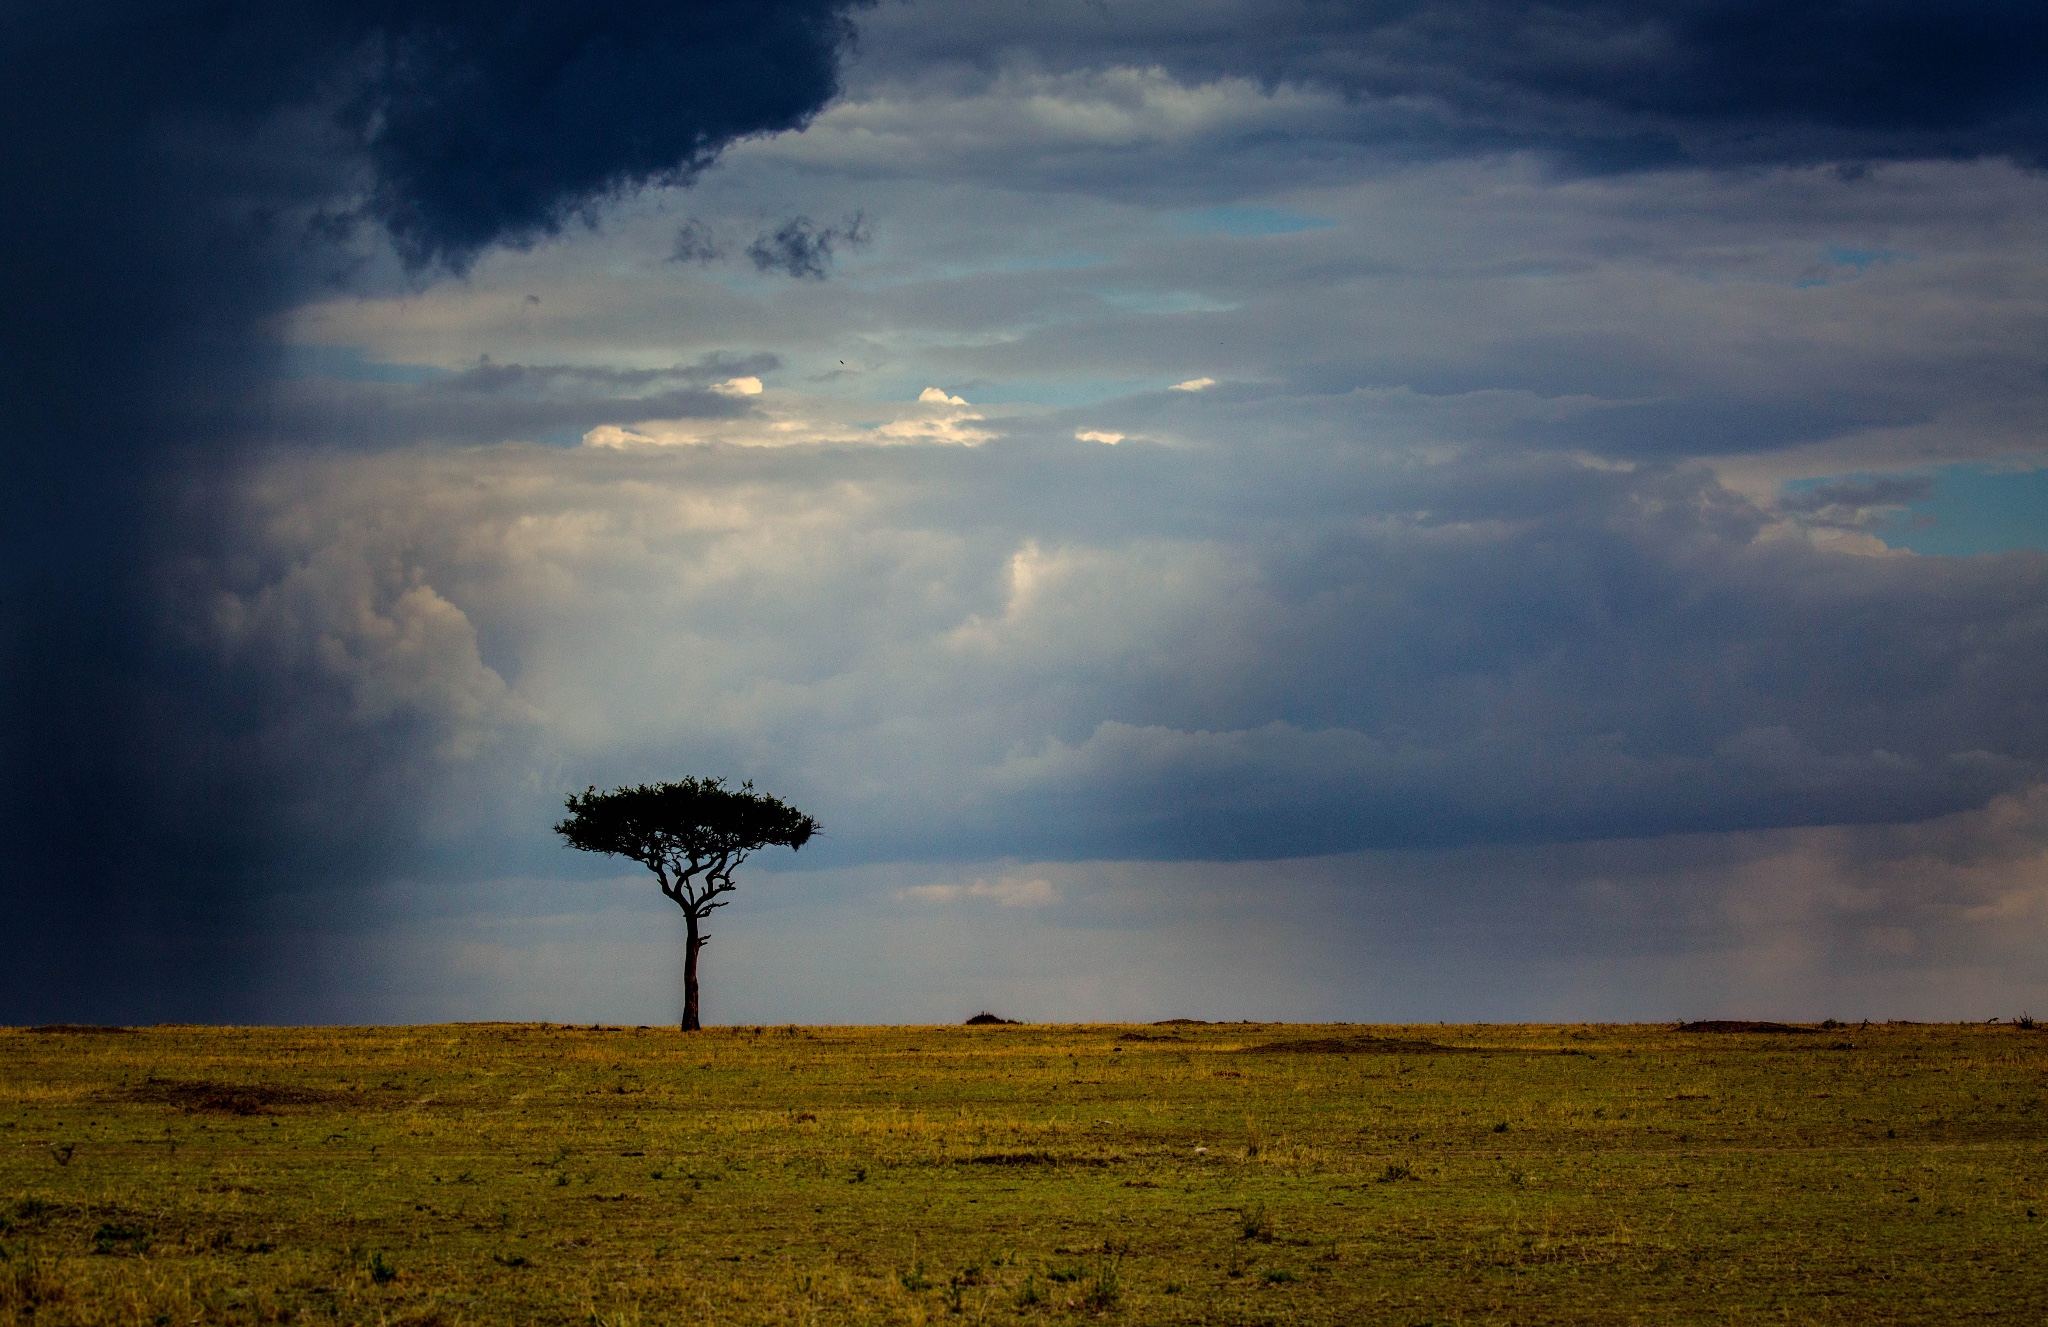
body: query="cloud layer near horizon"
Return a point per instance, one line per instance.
(1060, 647)
(1938, 920)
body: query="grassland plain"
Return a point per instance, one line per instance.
(1170, 1174)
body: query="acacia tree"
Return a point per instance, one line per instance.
(693, 834)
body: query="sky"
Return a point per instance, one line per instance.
(1403, 511)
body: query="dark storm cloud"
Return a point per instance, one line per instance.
(1608, 84)
(799, 248)
(174, 175)
(489, 123)
(1365, 598)
(696, 243)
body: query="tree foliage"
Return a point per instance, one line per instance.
(693, 833)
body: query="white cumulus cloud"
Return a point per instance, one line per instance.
(779, 419)
(1007, 891)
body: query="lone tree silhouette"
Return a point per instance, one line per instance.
(693, 834)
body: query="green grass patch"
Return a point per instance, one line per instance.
(1179, 1173)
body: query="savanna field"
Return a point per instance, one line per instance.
(1178, 1173)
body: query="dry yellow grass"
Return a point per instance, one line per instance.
(494, 1174)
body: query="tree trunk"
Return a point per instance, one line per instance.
(690, 948)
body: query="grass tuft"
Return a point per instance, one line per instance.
(1103, 1288)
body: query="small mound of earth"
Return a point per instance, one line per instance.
(206, 1097)
(1358, 1046)
(1028, 1159)
(1741, 1025)
(985, 1018)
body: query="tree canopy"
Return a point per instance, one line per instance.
(693, 834)
(682, 829)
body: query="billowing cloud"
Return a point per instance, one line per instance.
(1606, 84)
(1532, 533)
(926, 655)
(184, 174)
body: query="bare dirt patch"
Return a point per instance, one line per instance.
(207, 1097)
(1028, 1159)
(1358, 1046)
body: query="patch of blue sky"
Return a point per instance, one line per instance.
(1837, 256)
(1052, 262)
(1843, 256)
(1977, 509)
(880, 276)
(1161, 301)
(351, 364)
(1245, 222)
(1970, 509)
(568, 437)
(1060, 393)
(889, 391)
